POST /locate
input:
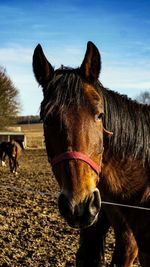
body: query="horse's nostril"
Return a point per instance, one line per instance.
(95, 203)
(64, 205)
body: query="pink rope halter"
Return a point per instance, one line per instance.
(76, 155)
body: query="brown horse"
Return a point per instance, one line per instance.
(87, 162)
(13, 150)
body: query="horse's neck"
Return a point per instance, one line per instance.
(123, 177)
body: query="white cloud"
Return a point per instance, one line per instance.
(126, 74)
(16, 55)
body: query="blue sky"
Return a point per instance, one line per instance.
(120, 30)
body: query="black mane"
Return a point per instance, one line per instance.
(65, 89)
(130, 123)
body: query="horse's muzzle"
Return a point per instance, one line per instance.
(80, 215)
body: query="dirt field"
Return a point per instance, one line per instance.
(32, 233)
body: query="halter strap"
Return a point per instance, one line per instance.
(76, 155)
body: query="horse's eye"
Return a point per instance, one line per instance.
(100, 116)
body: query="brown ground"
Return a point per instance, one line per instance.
(32, 233)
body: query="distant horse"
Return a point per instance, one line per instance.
(13, 150)
(78, 114)
(3, 148)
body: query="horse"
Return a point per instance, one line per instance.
(90, 163)
(13, 150)
(3, 148)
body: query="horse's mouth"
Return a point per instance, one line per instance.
(82, 223)
(80, 215)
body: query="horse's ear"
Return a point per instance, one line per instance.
(42, 69)
(91, 65)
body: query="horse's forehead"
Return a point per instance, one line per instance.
(68, 91)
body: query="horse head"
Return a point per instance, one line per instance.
(72, 112)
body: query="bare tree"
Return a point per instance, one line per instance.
(144, 98)
(9, 103)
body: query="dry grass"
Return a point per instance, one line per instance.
(34, 135)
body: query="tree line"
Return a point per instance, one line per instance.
(10, 104)
(28, 119)
(9, 100)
